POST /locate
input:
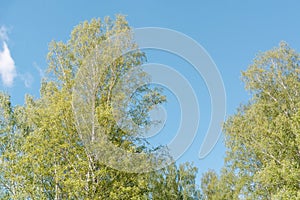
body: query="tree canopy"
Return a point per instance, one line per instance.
(262, 138)
(45, 154)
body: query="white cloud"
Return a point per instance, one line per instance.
(7, 66)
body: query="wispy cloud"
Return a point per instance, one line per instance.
(27, 78)
(7, 64)
(3, 33)
(39, 69)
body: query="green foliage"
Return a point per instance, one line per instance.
(42, 154)
(174, 182)
(262, 138)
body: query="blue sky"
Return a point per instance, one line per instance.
(231, 31)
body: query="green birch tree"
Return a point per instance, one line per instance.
(262, 138)
(43, 153)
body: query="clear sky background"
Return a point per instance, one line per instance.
(231, 31)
